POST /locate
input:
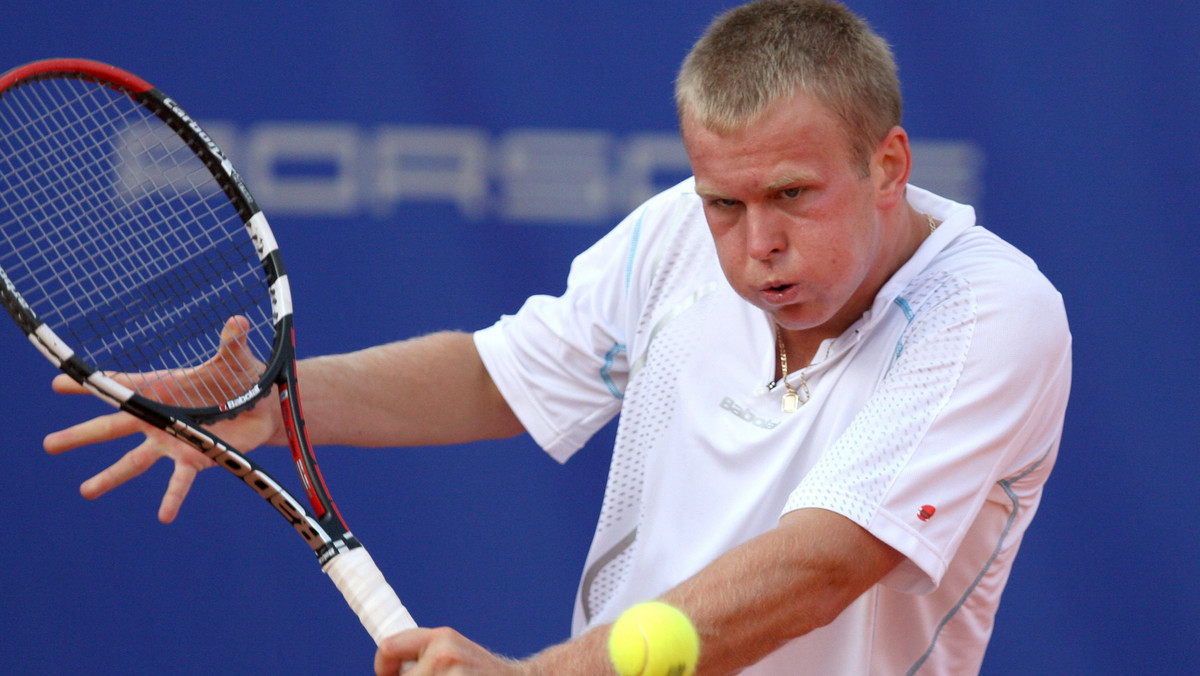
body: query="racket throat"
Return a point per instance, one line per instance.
(293, 423)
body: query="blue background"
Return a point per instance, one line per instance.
(1083, 116)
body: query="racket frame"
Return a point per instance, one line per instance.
(322, 527)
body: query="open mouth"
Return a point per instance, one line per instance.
(778, 293)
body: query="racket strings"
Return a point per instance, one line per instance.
(33, 192)
(123, 243)
(38, 192)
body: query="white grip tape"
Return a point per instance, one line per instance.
(378, 607)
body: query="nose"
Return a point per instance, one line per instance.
(765, 235)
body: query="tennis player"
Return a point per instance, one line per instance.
(839, 396)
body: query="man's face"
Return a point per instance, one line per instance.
(794, 222)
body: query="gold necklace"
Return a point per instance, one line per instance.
(932, 223)
(791, 398)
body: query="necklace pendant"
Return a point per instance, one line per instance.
(791, 401)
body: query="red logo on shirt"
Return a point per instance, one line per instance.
(926, 512)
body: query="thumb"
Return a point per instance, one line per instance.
(235, 359)
(235, 337)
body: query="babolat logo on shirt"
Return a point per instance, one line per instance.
(748, 415)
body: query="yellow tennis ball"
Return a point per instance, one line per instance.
(654, 639)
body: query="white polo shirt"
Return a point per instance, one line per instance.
(933, 423)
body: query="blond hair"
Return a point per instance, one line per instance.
(759, 53)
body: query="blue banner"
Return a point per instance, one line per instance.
(429, 165)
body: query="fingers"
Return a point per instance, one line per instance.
(425, 652)
(65, 384)
(399, 652)
(188, 461)
(97, 430)
(177, 490)
(157, 444)
(131, 465)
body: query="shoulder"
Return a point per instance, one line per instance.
(626, 246)
(673, 212)
(666, 234)
(1002, 277)
(1015, 314)
(963, 259)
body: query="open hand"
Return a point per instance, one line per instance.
(215, 380)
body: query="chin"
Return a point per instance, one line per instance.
(793, 320)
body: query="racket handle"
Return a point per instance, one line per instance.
(372, 598)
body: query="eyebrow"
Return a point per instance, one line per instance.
(789, 179)
(778, 184)
(710, 193)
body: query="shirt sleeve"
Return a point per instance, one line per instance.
(975, 397)
(561, 362)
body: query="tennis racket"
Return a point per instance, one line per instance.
(128, 245)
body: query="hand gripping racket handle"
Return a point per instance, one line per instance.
(379, 609)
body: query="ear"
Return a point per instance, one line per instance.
(891, 165)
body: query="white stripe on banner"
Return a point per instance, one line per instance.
(525, 175)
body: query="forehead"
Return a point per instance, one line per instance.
(797, 135)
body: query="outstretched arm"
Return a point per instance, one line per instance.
(781, 585)
(425, 391)
(428, 390)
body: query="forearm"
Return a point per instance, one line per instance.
(750, 601)
(779, 586)
(586, 655)
(428, 390)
